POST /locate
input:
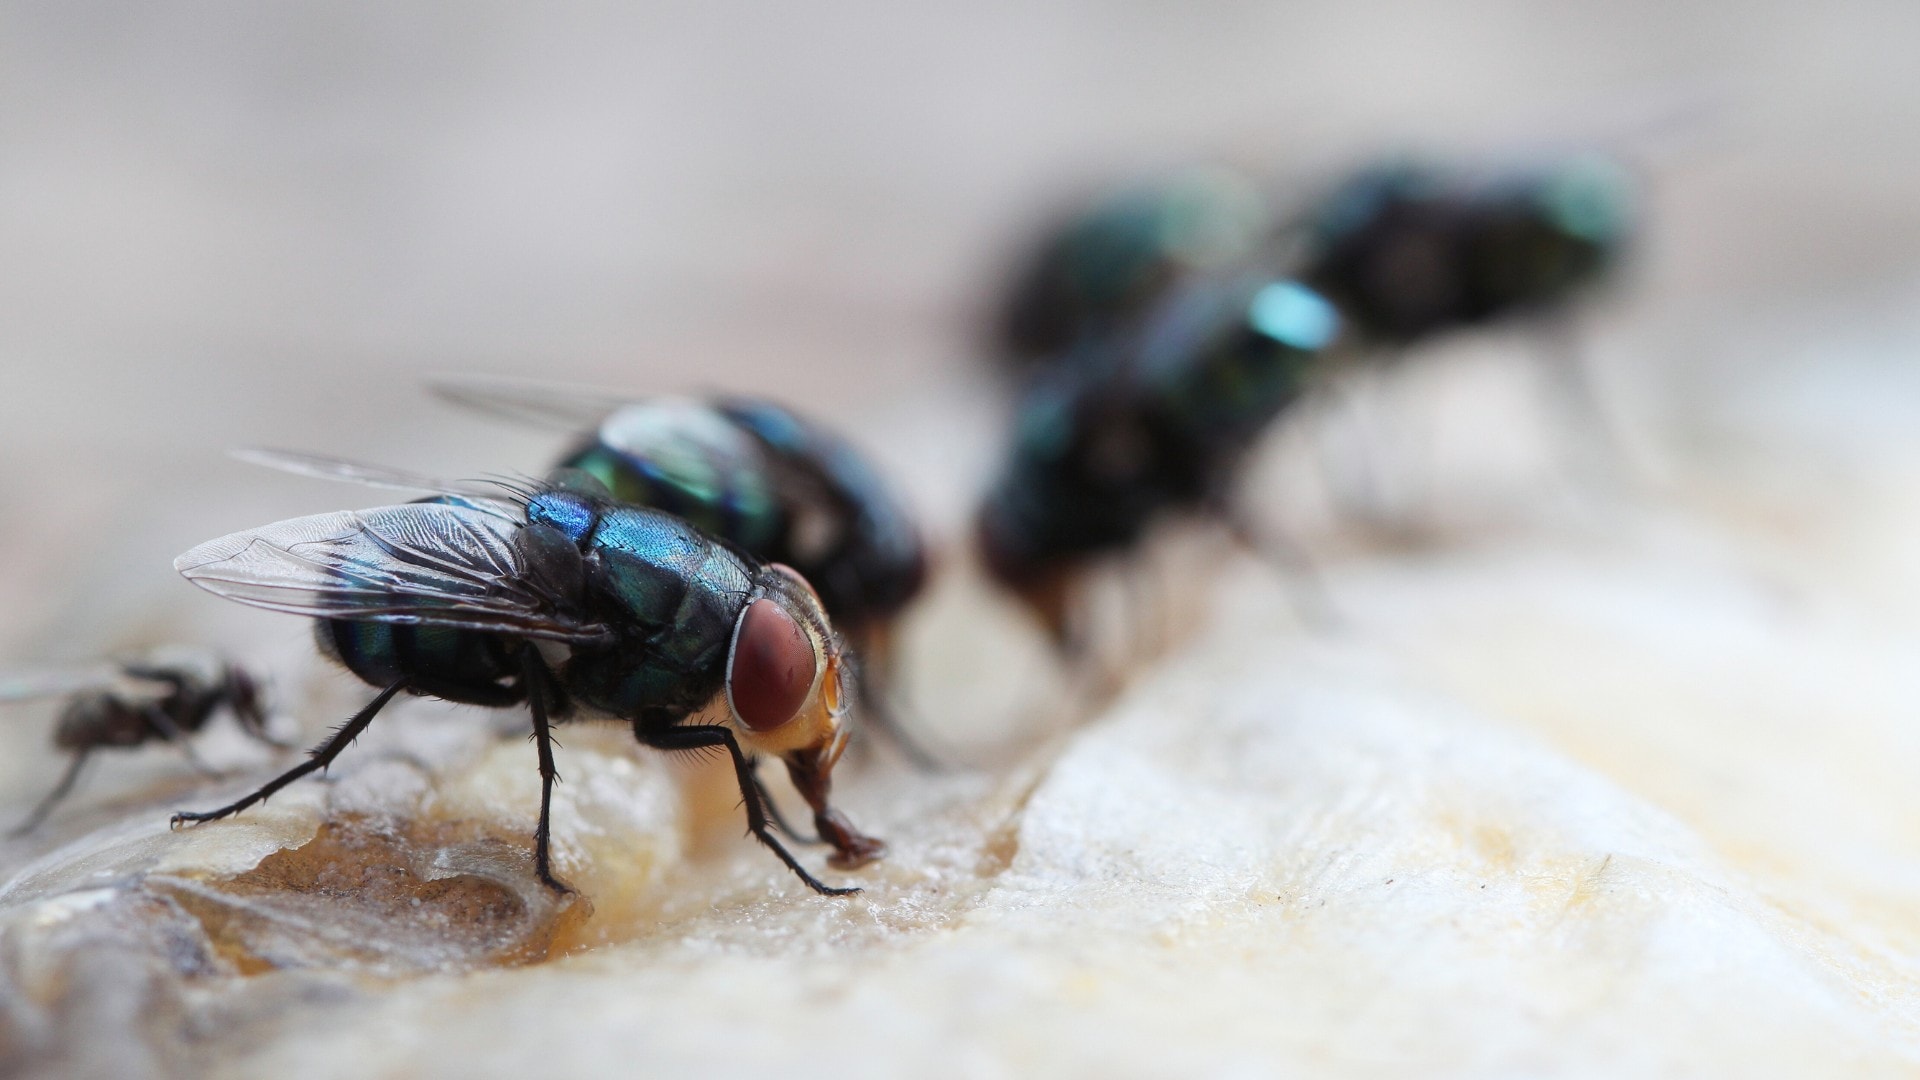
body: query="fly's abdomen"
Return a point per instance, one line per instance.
(465, 666)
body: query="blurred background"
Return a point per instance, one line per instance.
(230, 224)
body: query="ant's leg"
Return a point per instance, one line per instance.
(53, 797)
(774, 813)
(170, 731)
(318, 758)
(700, 736)
(543, 739)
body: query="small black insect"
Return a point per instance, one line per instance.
(574, 604)
(759, 476)
(165, 696)
(1144, 422)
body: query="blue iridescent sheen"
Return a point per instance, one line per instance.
(574, 515)
(667, 587)
(677, 595)
(1294, 315)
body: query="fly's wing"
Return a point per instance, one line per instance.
(451, 564)
(532, 402)
(323, 467)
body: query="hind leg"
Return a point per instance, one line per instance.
(317, 759)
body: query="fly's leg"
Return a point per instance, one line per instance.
(318, 758)
(774, 812)
(52, 798)
(701, 736)
(543, 739)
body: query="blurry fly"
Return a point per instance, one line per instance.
(1144, 422)
(1407, 249)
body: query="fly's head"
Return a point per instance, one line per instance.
(789, 689)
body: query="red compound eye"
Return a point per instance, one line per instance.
(771, 668)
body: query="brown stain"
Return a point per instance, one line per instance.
(391, 895)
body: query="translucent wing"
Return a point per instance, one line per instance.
(548, 405)
(433, 563)
(323, 467)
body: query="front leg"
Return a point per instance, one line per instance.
(773, 810)
(700, 736)
(318, 758)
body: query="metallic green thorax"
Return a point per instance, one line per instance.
(672, 596)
